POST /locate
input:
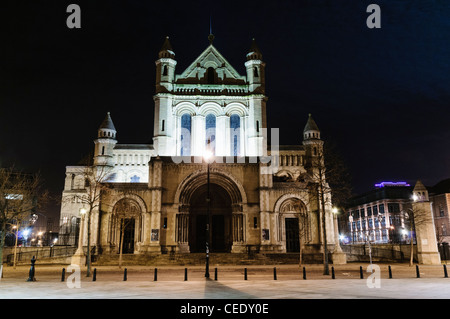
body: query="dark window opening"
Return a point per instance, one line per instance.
(211, 76)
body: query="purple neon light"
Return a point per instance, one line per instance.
(383, 184)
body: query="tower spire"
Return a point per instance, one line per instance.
(210, 36)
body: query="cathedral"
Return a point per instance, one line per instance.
(209, 176)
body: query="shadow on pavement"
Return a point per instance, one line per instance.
(215, 289)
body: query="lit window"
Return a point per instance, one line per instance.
(135, 179)
(185, 149)
(235, 125)
(211, 133)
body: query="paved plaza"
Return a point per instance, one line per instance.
(233, 282)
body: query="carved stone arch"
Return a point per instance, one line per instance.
(229, 215)
(210, 107)
(210, 64)
(130, 208)
(293, 222)
(198, 178)
(283, 200)
(185, 107)
(236, 108)
(132, 198)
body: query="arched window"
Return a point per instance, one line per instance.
(235, 129)
(211, 75)
(165, 70)
(185, 147)
(255, 72)
(135, 179)
(210, 135)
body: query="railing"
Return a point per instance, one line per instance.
(24, 254)
(380, 253)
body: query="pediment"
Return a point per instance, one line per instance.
(211, 57)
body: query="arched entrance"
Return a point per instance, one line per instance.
(226, 217)
(126, 220)
(219, 218)
(294, 223)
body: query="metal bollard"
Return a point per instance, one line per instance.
(245, 273)
(32, 270)
(304, 273)
(417, 271)
(361, 272)
(125, 274)
(63, 275)
(445, 271)
(155, 278)
(390, 272)
(332, 273)
(215, 273)
(185, 274)
(274, 273)
(94, 278)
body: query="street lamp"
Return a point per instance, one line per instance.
(207, 156)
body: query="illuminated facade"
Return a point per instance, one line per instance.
(379, 215)
(395, 213)
(259, 195)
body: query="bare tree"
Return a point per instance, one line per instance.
(303, 226)
(95, 179)
(21, 195)
(331, 186)
(123, 209)
(416, 217)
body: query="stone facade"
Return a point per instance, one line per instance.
(160, 198)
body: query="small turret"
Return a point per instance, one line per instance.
(311, 130)
(255, 69)
(165, 68)
(313, 144)
(420, 192)
(105, 142)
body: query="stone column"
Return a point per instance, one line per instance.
(427, 249)
(182, 232)
(222, 130)
(198, 135)
(155, 217)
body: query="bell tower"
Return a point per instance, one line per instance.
(163, 140)
(312, 143)
(255, 69)
(257, 142)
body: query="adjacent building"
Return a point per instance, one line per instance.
(440, 198)
(380, 215)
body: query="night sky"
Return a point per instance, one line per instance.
(381, 95)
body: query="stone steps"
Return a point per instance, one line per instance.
(198, 259)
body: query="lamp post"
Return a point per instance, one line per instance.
(16, 227)
(207, 157)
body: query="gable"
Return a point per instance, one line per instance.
(210, 58)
